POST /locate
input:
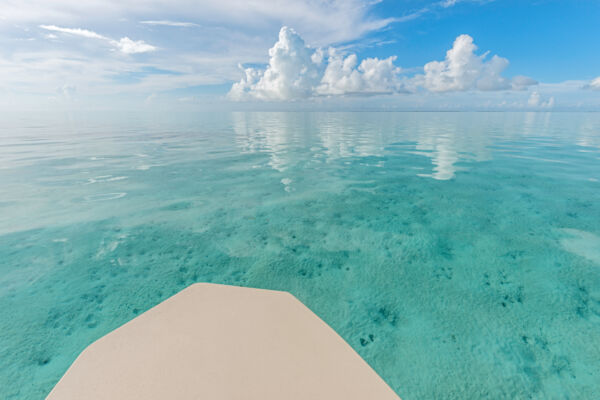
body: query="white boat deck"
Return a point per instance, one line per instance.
(222, 342)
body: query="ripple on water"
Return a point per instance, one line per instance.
(105, 196)
(105, 178)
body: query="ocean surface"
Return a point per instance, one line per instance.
(458, 253)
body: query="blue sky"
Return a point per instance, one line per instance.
(303, 54)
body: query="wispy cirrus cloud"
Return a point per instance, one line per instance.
(451, 3)
(323, 21)
(125, 45)
(178, 24)
(448, 3)
(74, 31)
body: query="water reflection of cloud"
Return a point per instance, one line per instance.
(330, 136)
(449, 139)
(333, 136)
(270, 133)
(443, 155)
(588, 135)
(343, 135)
(452, 141)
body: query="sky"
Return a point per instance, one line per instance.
(302, 54)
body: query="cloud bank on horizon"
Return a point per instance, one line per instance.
(297, 71)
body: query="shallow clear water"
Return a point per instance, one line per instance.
(458, 253)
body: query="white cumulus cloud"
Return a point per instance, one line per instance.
(464, 70)
(297, 71)
(292, 71)
(372, 76)
(129, 46)
(124, 44)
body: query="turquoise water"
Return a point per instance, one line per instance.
(458, 253)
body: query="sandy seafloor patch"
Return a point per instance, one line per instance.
(457, 253)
